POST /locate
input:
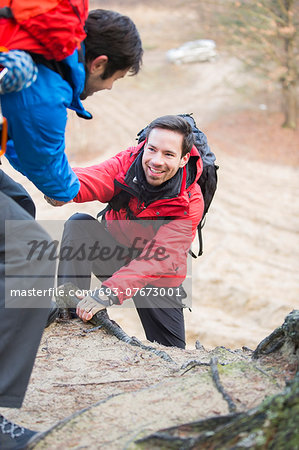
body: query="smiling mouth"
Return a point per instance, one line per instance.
(155, 171)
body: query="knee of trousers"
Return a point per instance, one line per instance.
(80, 216)
(75, 226)
(75, 218)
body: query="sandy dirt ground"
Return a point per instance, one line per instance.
(246, 281)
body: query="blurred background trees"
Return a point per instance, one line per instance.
(264, 34)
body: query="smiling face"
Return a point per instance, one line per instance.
(162, 156)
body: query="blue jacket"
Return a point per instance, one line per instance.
(37, 119)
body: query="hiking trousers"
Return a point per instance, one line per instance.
(22, 317)
(164, 325)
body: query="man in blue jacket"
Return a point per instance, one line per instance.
(37, 117)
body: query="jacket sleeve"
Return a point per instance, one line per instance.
(162, 261)
(37, 119)
(97, 182)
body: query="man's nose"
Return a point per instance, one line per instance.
(109, 86)
(157, 159)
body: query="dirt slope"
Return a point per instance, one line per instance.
(246, 281)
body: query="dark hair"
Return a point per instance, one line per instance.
(116, 36)
(178, 124)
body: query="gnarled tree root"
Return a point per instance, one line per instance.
(287, 334)
(271, 425)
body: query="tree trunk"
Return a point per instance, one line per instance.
(290, 79)
(290, 105)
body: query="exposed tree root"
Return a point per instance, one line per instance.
(271, 425)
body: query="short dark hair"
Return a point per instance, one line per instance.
(178, 124)
(116, 36)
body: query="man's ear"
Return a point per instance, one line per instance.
(98, 65)
(184, 160)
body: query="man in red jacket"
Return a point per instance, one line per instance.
(139, 249)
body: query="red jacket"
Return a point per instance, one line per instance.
(163, 259)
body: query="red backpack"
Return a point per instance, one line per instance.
(51, 28)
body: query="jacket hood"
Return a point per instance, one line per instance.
(76, 65)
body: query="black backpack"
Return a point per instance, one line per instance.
(208, 178)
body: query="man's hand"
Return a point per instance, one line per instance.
(53, 202)
(87, 308)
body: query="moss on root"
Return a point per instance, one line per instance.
(273, 424)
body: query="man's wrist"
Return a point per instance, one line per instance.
(54, 202)
(104, 297)
(111, 294)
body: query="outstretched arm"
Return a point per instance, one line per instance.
(37, 119)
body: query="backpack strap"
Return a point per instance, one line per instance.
(57, 66)
(103, 212)
(199, 232)
(200, 239)
(6, 13)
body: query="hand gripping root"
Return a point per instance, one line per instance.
(66, 298)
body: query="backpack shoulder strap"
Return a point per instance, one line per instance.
(6, 13)
(57, 66)
(208, 179)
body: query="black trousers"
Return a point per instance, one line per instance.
(22, 318)
(16, 192)
(164, 325)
